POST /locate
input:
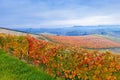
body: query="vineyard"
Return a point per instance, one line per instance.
(66, 62)
(85, 41)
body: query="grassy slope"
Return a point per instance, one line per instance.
(14, 69)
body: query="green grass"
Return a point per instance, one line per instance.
(13, 69)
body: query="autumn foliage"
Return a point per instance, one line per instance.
(85, 41)
(66, 62)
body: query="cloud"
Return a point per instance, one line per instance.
(86, 21)
(57, 13)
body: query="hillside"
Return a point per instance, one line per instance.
(85, 41)
(96, 41)
(15, 32)
(113, 38)
(14, 69)
(55, 59)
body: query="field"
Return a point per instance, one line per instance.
(58, 60)
(115, 39)
(85, 41)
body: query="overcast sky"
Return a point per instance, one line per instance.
(58, 13)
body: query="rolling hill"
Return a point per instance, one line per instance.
(112, 30)
(89, 41)
(102, 42)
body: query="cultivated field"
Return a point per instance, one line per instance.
(85, 41)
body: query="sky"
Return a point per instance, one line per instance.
(58, 13)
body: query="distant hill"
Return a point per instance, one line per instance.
(112, 30)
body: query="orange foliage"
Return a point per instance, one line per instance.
(85, 41)
(67, 62)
